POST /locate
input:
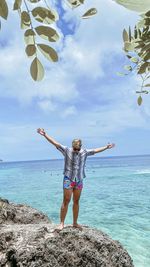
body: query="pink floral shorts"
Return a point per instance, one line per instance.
(69, 184)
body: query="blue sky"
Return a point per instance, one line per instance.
(80, 97)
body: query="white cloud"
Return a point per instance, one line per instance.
(71, 110)
(47, 105)
(81, 55)
(111, 109)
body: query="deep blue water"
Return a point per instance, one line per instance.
(115, 197)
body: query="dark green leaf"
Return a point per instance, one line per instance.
(139, 100)
(37, 70)
(146, 47)
(29, 36)
(25, 20)
(128, 56)
(45, 15)
(34, 1)
(89, 13)
(47, 33)
(143, 92)
(147, 21)
(146, 56)
(17, 4)
(125, 36)
(3, 9)
(48, 52)
(147, 13)
(130, 35)
(30, 50)
(135, 32)
(75, 3)
(140, 45)
(139, 33)
(142, 68)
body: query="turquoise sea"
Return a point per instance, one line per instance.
(115, 197)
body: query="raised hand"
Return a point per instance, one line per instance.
(110, 145)
(41, 131)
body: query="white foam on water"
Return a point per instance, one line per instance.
(142, 171)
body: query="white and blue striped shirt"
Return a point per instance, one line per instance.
(74, 166)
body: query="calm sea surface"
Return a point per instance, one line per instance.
(115, 197)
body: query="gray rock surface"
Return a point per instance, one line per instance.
(29, 238)
(11, 213)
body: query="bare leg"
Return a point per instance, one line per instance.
(64, 207)
(76, 197)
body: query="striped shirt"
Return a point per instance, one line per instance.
(74, 166)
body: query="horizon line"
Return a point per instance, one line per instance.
(138, 155)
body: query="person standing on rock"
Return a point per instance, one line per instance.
(75, 158)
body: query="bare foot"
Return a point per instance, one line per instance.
(60, 227)
(76, 225)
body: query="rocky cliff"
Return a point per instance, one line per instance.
(29, 238)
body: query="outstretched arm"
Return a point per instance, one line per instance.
(93, 151)
(100, 149)
(49, 138)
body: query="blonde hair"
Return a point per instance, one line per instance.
(74, 141)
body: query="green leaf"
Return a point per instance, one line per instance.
(147, 85)
(89, 13)
(146, 56)
(134, 59)
(47, 33)
(125, 36)
(135, 32)
(29, 36)
(140, 45)
(121, 74)
(146, 47)
(45, 15)
(136, 5)
(34, 1)
(130, 35)
(128, 56)
(139, 100)
(147, 21)
(37, 70)
(17, 4)
(142, 68)
(147, 14)
(3, 9)
(30, 50)
(128, 67)
(129, 46)
(48, 52)
(25, 20)
(143, 92)
(139, 33)
(75, 3)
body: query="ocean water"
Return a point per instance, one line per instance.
(115, 196)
